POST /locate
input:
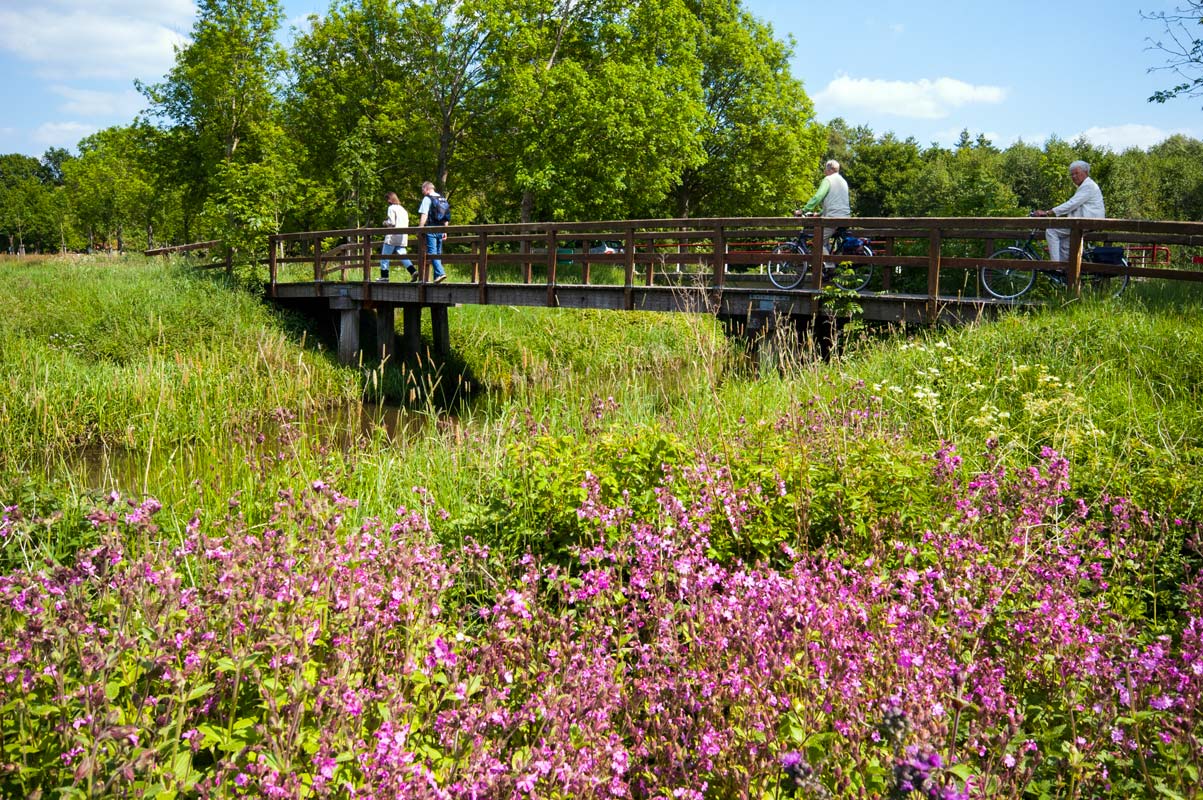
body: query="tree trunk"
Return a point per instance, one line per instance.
(683, 205)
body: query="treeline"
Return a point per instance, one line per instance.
(518, 110)
(898, 177)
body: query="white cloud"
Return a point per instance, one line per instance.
(72, 39)
(92, 103)
(1121, 137)
(922, 99)
(61, 134)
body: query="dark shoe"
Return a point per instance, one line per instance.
(413, 277)
(382, 279)
(440, 279)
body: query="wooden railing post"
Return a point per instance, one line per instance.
(271, 261)
(720, 257)
(628, 281)
(423, 269)
(317, 260)
(551, 266)
(887, 270)
(482, 268)
(934, 243)
(817, 244)
(366, 238)
(1073, 272)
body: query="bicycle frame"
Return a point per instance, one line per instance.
(789, 274)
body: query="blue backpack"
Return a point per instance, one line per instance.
(440, 210)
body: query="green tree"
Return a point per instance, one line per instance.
(110, 188)
(220, 103)
(337, 103)
(759, 135)
(1177, 169)
(26, 207)
(599, 107)
(978, 189)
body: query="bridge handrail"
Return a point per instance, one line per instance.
(714, 244)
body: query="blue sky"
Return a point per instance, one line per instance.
(1019, 69)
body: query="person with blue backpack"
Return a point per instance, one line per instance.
(434, 211)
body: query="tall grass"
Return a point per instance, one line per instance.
(173, 375)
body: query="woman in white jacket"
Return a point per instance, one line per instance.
(398, 217)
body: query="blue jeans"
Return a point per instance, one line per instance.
(389, 249)
(434, 246)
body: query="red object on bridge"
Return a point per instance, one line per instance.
(1197, 259)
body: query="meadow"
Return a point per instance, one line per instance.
(633, 563)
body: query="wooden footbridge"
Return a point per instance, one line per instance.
(925, 270)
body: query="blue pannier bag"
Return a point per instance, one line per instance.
(853, 245)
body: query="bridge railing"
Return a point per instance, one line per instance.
(921, 258)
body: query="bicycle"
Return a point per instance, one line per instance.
(789, 274)
(1011, 284)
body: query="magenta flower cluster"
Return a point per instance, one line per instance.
(314, 657)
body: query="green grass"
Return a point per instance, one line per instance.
(148, 376)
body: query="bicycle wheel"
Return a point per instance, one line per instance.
(1104, 284)
(853, 277)
(1005, 283)
(788, 274)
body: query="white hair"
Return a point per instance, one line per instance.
(1082, 165)
(832, 164)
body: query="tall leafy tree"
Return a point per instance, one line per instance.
(600, 106)
(758, 135)
(110, 187)
(1177, 164)
(221, 102)
(387, 94)
(880, 171)
(337, 99)
(26, 205)
(448, 85)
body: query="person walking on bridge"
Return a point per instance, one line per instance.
(398, 217)
(426, 219)
(1087, 201)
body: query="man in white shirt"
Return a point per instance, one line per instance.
(1087, 201)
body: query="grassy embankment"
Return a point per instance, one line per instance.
(221, 406)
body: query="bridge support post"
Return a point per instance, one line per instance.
(440, 329)
(386, 333)
(348, 328)
(411, 328)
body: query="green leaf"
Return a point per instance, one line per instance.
(1166, 791)
(181, 767)
(961, 770)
